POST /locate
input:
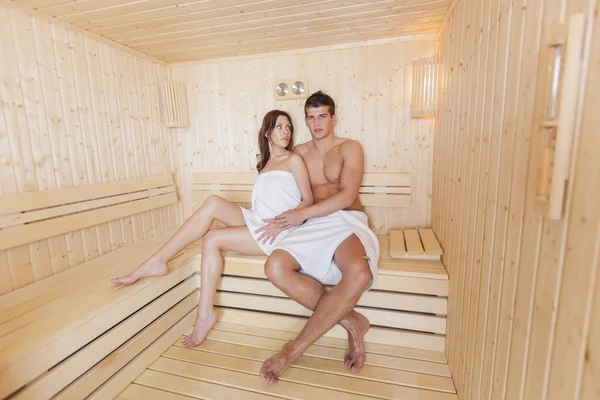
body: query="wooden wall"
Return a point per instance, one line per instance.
(371, 87)
(75, 111)
(524, 305)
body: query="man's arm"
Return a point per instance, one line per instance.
(350, 180)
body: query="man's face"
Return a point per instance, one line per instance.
(319, 122)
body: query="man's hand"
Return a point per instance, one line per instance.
(290, 219)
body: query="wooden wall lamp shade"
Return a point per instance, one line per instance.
(558, 126)
(425, 87)
(175, 105)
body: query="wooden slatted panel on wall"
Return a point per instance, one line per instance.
(371, 86)
(75, 111)
(524, 305)
(192, 30)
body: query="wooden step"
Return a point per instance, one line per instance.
(420, 341)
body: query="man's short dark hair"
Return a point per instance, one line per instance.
(320, 99)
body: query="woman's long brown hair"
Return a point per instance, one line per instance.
(269, 122)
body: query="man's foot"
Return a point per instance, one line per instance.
(273, 367)
(357, 326)
(201, 329)
(152, 267)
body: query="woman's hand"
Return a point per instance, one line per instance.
(270, 231)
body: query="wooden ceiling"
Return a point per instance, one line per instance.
(192, 30)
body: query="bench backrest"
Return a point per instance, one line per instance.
(32, 216)
(377, 189)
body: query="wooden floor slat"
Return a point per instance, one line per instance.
(333, 353)
(172, 385)
(307, 362)
(294, 383)
(135, 392)
(409, 353)
(246, 381)
(227, 365)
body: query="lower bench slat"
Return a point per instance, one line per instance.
(395, 337)
(112, 387)
(392, 319)
(51, 342)
(69, 370)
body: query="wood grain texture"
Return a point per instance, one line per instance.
(70, 116)
(186, 30)
(523, 288)
(371, 87)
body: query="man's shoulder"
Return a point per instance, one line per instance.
(301, 148)
(350, 146)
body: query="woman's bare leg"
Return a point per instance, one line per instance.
(193, 229)
(236, 239)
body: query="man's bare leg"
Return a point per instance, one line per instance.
(332, 307)
(194, 228)
(237, 239)
(283, 271)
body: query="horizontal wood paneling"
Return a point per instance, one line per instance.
(76, 111)
(191, 30)
(523, 302)
(371, 87)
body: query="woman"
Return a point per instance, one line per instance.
(282, 184)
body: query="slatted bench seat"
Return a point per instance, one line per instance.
(69, 334)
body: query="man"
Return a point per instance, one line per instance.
(334, 245)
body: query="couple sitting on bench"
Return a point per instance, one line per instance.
(307, 217)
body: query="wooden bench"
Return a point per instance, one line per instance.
(70, 334)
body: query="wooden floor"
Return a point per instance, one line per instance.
(227, 364)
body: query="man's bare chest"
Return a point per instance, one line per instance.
(324, 170)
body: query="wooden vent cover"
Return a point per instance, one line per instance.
(174, 96)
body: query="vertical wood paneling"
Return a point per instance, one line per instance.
(65, 121)
(88, 136)
(42, 162)
(371, 87)
(523, 289)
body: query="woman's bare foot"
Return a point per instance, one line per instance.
(357, 326)
(273, 367)
(152, 267)
(201, 329)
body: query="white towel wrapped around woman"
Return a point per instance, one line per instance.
(274, 193)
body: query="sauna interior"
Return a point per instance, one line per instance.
(479, 122)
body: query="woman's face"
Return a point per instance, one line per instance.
(281, 134)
